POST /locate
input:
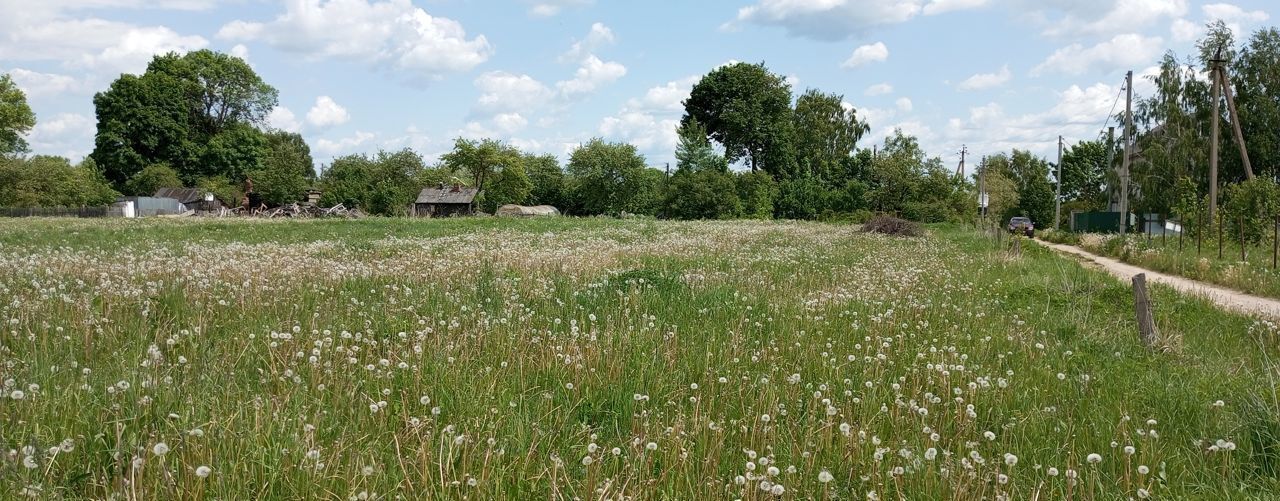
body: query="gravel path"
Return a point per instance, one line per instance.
(1223, 297)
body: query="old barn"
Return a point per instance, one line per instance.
(446, 201)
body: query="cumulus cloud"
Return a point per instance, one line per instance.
(100, 46)
(904, 105)
(510, 123)
(282, 118)
(879, 89)
(327, 113)
(644, 130)
(827, 19)
(943, 6)
(502, 91)
(549, 8)
(66, 134)
(983, 81)
(37, 85)
(668, 97)
(344, 145)
(391, 32)
(592, 74)
(240, 51)
(1121, 51)
(866, 54)
(1121, 16)
(598, 36)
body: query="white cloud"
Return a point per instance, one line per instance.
(106, 47)
(37, 85)
(668, 97)
(344, 145)
(1120, 52)
(599, 36)
(65, 134)
(827, 19)
(1122, 16)
(240, 51)
(549, 8)
(904, 105)
(390, 32)
(879, 89)
(1185, 31)
(327, 113)
(644, 130)
(1077, 113)
(591, 75)
(137, 46)
(1236, 18)
(501, 91)
(510, 123)
(282, 118)
(983, 81)
(943, 6)
(866, 54)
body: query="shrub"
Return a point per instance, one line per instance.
(889, 225)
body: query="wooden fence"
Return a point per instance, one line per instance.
(103, 211)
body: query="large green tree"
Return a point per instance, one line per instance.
(46, 181)
(548, 180)
(481, 159)
(16, 117)
(287, 169)
(384, 184)
(702, 187)
(826, 134)
(196, 113)
(610, 178)
(1084, 168)
(747, 109)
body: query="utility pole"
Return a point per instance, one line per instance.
(983, 199)
(1213, 141)
(1225, 82)
(960, 170)
(1112, 204)
(1124, 169)
(1057, 200)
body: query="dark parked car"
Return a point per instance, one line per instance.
(1022, 225)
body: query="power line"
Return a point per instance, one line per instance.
(1111, 114)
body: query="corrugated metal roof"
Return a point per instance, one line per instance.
(182, 195)
(447, 195)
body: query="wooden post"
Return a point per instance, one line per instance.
(1243, 258)
(1142, 306)
(1182, 230)
(1275, 245)
(1213, 145)
(1220, 224)
(1199, 229)
(1225, 82)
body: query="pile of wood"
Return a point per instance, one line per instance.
(304, 211)
(295, 211)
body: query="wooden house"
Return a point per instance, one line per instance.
(446, 201)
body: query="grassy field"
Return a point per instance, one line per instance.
(600, 359)
(1254, 274)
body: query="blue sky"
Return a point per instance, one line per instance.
(356, 76)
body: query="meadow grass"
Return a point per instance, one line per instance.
(599, 359)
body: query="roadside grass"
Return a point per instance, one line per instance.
(1253, 275)
(593, 358)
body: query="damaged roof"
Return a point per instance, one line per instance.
(448, 195)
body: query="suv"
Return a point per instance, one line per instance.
(1022, 225)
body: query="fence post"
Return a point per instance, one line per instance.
(1275, 244)
(1142, 306)
(1243, 258)
(1220, 223)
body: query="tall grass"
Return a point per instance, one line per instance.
(605, 359)
(1195, 260)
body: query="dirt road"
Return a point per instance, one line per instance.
(1223, 297)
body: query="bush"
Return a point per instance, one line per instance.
(1059, 237)
(889, 225)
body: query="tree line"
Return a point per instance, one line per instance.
(748, 148)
